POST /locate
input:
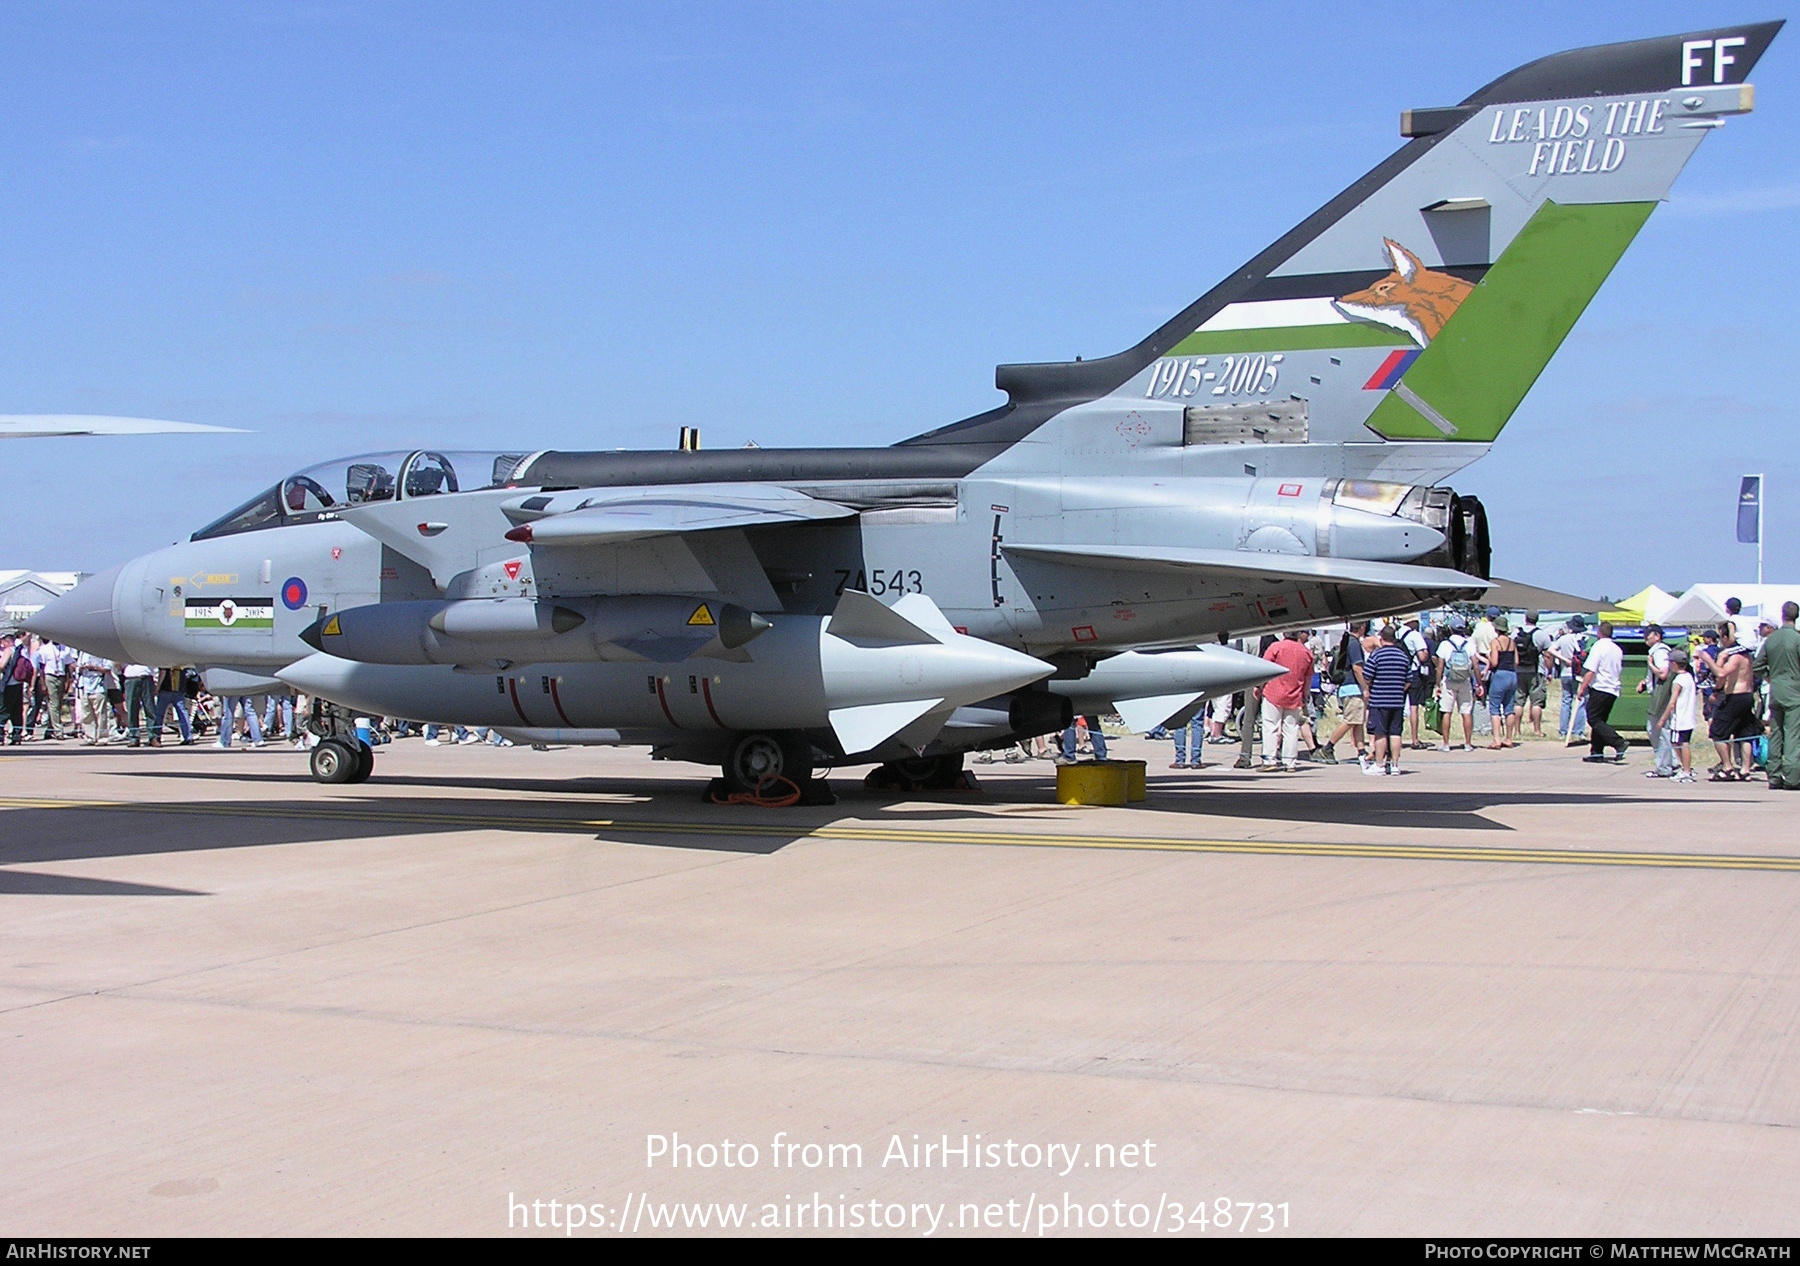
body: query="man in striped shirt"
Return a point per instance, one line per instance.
(1387, 670)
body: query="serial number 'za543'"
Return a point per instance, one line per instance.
(1233, 376)
(878, 580)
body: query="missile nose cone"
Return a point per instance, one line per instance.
(83, 617)
(310, 634)
(563, 620)
(1021, 669)
(739, 626)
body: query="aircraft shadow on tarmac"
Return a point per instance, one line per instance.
(38, 884)
(1244, 796)
(46, 835)
(37, 836)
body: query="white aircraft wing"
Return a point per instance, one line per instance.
(20, 426)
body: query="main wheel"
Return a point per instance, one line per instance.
(929, 773)
(335, 761)
(753, 758)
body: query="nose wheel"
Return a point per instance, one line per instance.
(337, 760)
(340, 756)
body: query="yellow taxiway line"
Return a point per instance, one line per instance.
(848, 830)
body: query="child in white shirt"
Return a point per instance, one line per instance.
(1679, 719)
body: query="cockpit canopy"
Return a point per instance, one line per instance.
(322, 491)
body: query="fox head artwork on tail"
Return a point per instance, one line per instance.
(1414, 299)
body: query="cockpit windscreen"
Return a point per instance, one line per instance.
(322, 491)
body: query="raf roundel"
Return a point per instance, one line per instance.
(293, 593)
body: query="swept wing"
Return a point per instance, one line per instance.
(22, 426)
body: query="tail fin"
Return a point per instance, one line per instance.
(1424, 300)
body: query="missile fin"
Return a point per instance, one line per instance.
(926, 728)
(717, 649)
(861, 728)
(667, 650)
(1148, 713)
(923, 612)
(868, 621)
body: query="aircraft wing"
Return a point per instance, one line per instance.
(21, 426)
(614, 516)
(661, 538)
(1229, 562)
(1517, 595)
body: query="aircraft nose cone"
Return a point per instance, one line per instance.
(83, 617)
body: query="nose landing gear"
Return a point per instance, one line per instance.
(339, 757)
(337, 760)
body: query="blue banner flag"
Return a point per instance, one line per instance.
(1749, 506)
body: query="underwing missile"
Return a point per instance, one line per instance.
(866, 675)
(1151, 688)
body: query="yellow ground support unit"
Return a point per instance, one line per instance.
(1100, 782)
(1134, 779)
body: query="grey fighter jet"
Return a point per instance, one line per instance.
(1272, 456)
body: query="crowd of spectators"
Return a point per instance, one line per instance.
(1451, 679)
(55, 693)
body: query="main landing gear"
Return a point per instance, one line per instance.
(919, 773)
(771, 768)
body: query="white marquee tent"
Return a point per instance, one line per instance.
(1705, 604)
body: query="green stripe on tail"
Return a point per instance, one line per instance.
(1490, 351)
(1288, 338)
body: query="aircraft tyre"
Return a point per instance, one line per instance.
(919, 773)
(365, 764)
(335, 761)
(761, 755)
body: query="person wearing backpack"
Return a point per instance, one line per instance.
(16, 672)
(1533, 644)
(1569, 651)
(1419, 686)
(1347, 679)
(1456, 683)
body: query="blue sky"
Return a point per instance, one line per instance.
(357, 226)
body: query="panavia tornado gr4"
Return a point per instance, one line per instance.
(1272, 456)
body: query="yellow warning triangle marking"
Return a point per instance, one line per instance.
(331, 627)
(701, 615)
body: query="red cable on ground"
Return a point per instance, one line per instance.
(761, 801)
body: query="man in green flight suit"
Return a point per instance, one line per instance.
(1779, 657)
